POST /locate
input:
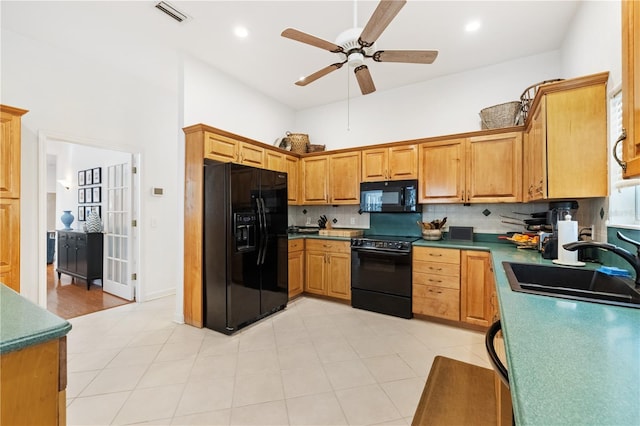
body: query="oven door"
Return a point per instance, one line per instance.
(381, 271)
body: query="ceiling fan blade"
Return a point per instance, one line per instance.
(297, 35)
(406, 56)
(364, 80)
(316, 75)
(381, 18)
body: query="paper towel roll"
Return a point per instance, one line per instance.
(567, 233)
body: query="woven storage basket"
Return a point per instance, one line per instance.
(529, 94)
(316, 148)
(502, 115)
(299, 142)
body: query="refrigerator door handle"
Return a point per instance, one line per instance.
(265, 234)
(260, 232)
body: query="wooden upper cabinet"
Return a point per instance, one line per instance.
(394, 163)
(220, 148)
(535, 156)
(292, 165)
(441, 170)
(566, 140)
(315, 179)
(494, 168)
(250, 155)
(480, 169)
(631, 86)
(274, 161)
(10, 128)
(229, 150)
(344, 178)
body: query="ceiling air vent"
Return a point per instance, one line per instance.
(171, 11)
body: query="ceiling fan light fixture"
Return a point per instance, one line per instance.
(356, 59)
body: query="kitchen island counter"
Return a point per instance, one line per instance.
(25, 324)
(570, 362)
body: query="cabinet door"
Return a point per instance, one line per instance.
(274, 161)
(293, 180)
(375, 165)
(315, 272)
(81, 255)
(577, 142)
(403, 162)
(10, 125)
(535, 158)
(220, 148)
(477, 288)
(251, 155)
(296, 273)
(315, 175)
(494, 168)
(631, 86)
(441, 171)
(339, 276)
(10, 243)
(344, 176)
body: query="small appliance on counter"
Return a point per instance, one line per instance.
(557, 212)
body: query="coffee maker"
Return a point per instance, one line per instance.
(557, 211)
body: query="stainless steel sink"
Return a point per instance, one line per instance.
(572, 283)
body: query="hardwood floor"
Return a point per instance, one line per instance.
(69, 298)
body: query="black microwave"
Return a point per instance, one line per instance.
(399, 196)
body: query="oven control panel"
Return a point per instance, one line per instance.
(381, 245)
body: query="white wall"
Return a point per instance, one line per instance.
(441, 106)
(216, 99)
(70, 95)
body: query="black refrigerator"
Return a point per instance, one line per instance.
(245, 266)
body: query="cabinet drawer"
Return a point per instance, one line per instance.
(333, 246)
(436, 301)
(434, 254)
(296, 245)
(444, 281)
(437, 268)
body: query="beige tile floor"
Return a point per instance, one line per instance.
(316, 363)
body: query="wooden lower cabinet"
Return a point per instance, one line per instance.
(296, 267)
(436, 282)
(477, 291)
(453, 284)
(33, 382)
(328, 268)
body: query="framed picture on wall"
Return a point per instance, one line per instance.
(81, 178)
(81, 213)
(87, 210)
(88, 177)
(98, 210)
(97, 192)
(88, 195)
(81, 196)
(97, 175)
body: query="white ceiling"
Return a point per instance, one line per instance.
(135, 33)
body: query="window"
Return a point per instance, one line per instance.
(624, 202)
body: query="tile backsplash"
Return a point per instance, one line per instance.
(484, 218)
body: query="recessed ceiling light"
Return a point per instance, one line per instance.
(472, 26)
(241, 32)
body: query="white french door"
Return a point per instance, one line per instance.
(118, 230)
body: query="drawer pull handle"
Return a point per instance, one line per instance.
(435, 291)
(435, 254)
(435, 281)
(435, 269)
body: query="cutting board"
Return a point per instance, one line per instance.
(341, 232)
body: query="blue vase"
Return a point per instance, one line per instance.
(67, 219)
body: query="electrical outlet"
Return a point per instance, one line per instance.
(308, 221)
(352, 221)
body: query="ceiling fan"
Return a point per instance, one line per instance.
(356, 44)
